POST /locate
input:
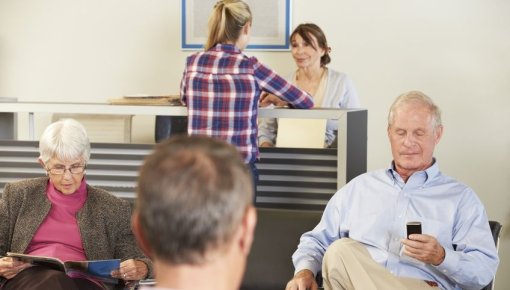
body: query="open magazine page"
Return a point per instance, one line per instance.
(98, 269)
(50, 262)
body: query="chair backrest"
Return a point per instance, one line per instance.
(277, 235)
(496, 230)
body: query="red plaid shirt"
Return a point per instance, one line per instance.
(221, 88)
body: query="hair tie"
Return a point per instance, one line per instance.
(221, 2)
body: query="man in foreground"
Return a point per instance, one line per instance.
(194, 215)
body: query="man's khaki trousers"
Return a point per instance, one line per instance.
(348, 265)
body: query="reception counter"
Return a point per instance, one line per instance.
(289, 177)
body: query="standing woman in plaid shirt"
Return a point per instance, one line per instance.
(221, 86)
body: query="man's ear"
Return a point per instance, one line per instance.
(439, 133)
(139, 235)
(248, 229)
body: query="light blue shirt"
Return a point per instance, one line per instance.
(374, 208)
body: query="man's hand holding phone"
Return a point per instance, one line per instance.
(422, 247)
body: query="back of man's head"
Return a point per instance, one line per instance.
(193, 193)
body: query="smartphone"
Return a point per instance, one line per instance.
(413, 228)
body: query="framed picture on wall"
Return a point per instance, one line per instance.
(270, 27)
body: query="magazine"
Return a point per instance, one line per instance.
(97, 269)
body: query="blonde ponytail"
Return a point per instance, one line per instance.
(227, 21)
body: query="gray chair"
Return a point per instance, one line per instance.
(496, 231)
(277, 234)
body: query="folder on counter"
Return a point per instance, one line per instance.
(301, 133)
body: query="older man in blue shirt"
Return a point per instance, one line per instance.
(361, 241)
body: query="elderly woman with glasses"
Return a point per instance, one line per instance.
(61, 216)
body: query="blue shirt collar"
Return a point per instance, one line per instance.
(420, 178)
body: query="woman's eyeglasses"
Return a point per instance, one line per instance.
(61, 170)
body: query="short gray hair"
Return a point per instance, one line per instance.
(193, 192)
(65, 139)
(416, 97)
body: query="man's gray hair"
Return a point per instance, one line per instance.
(65, 139)
(416, 97)
(193, 192)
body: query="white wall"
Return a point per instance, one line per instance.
(457, 51)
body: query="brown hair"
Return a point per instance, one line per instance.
(306, 31)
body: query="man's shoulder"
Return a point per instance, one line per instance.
(374, 178)
(440, 184)
(453, 183)
(371, 175)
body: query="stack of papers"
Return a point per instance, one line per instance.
(169, 100)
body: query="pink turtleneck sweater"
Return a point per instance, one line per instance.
(59, 235)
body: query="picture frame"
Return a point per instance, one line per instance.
(270, 27)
